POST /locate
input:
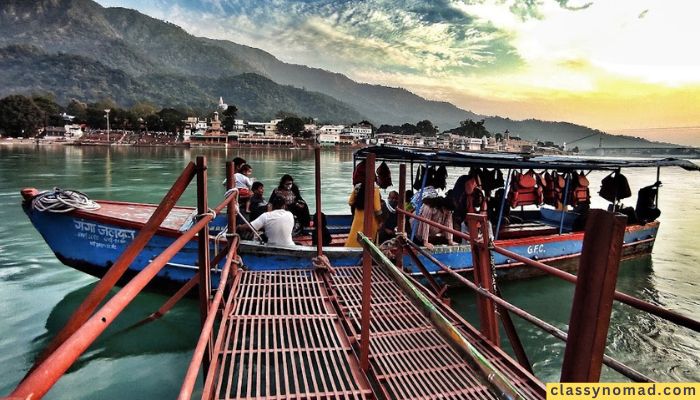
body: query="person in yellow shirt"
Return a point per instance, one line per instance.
(356, 201)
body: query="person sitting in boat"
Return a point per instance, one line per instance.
(256, 205)
(293, 200)
(277, 223)
(357, 203)
(387, 231)
(326, 238)
(439, 210)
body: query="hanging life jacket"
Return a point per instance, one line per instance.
(524, 190)
(578, 190)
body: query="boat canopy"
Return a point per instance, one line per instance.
(511, 160)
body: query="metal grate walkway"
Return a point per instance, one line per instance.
(285, 341)
(410, 358)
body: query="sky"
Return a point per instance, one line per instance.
(623, 66)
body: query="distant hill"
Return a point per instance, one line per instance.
(72, 76)
(76, 48)
(565, 132)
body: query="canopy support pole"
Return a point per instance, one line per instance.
(420, 199)
(563, 205)
(503, 204)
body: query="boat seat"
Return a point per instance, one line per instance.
(338, 240)
(333, 229)
(517, 231)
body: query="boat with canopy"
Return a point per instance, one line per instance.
(535, 205)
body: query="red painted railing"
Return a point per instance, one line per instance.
(84, 327)
(576, 367)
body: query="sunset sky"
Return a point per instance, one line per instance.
(623, 66)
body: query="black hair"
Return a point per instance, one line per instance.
(257, 185)
(359, 203)
(237, 162)
(277, 202)
(245, 167)
(284, 178)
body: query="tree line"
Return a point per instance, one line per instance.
(466, 128)
(24, 115)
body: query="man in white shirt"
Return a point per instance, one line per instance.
(277, 224)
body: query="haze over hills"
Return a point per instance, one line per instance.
(78, 49)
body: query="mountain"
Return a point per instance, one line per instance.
(566, 132)
(76, 48)
(73, 76)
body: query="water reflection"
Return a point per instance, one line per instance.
(177, 331)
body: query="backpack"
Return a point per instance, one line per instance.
(615, 187)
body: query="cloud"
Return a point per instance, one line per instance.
(516, 56)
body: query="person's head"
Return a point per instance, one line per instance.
(277, 203)
(324, 223)
(286, 182)
(246, 170)
(409, 196)
(237, 163)
(258, 188)
(393, 198)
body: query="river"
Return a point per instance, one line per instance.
(38, 293)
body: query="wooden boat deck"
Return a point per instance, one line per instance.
(137, 214)
(295, 334)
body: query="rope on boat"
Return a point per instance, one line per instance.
(62, 201)
(321, 263)
(210, 211)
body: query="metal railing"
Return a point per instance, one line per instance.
(84, 326)
(489, 299)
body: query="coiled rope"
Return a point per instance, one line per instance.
(62, 201)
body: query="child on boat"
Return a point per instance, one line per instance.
(244, 184)
(256, 205)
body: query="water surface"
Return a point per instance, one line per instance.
(38, 293)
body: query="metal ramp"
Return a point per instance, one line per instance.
(409, 357)
(284, 339)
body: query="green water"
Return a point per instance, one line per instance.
(37, 293)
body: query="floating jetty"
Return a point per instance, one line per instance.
(354, 332)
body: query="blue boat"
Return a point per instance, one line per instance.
(91, 240)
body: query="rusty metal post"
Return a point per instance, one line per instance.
(481, 260)
(593, 298)
(115, 272)
(317, 176)
(400, 218)
(231, 210)
(45, 375)
(513, 338)
(203, 241)
(367, 262)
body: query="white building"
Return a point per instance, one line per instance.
(73, 130)
(359, 132)
(336, 129)
(329, 139)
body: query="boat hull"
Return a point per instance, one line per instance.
(92, 243)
